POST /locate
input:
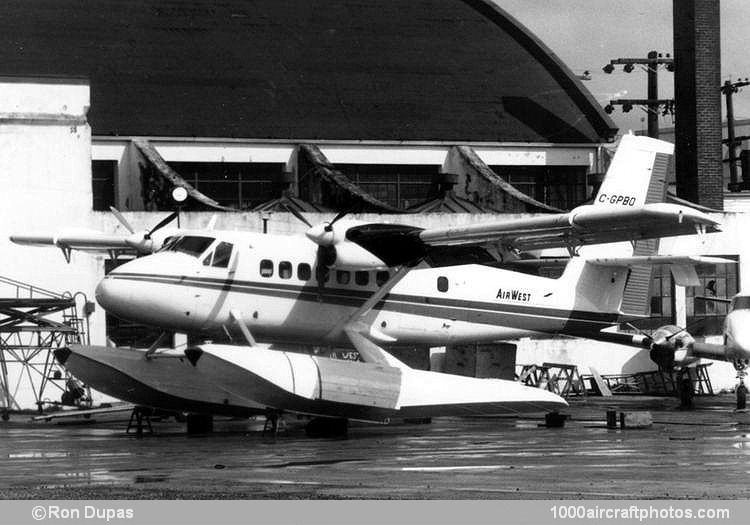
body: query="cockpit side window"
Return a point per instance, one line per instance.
(222, 254)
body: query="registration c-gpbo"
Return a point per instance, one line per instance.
(624, 200)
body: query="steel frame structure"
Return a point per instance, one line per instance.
(33, 323)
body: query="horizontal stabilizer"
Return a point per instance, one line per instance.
(660, 259)
(682, 266)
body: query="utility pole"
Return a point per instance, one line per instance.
(728, 89)
(652, 103)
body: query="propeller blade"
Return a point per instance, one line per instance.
(297, 214)
(121, 219)
(340, 215)
(690, 326)
(169, 218)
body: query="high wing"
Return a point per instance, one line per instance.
(627, 207)
(588, 224)
(135, 243)
(88, 241)
(85, 241)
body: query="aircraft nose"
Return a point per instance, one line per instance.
(111, 294)
(738, 336)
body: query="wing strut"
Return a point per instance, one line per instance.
(356, 329)
(236, 315)
(150, 353)
(368, 305)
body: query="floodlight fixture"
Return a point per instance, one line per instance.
(179, 194)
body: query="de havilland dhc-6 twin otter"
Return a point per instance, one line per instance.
(370, 286)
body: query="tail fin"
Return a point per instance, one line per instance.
(637, 174)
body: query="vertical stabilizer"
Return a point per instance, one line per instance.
(636, 176)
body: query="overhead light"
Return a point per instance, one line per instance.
(628, 68)
(179, 194)
(608, 68)
(627, 107)
(608, 109)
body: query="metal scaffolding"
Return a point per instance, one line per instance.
(34, 322)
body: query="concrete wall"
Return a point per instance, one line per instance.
(45, 176)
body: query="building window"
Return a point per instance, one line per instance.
(563, 187)
(719, 281)
(242, 185)
(704, 318)
(400, 185)
(103, 176)
(442, 284)
(266, 268)
(304, 272)
(285, 270)
(662, 298)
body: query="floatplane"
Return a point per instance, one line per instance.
(370, 286)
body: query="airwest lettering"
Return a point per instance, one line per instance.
(513, 295)
(625, 200)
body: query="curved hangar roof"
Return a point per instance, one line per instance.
(448, 70)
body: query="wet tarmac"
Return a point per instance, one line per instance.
(701, 453)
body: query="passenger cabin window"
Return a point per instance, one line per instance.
(322, 274)
(342, 277)
(266, 268)
(219, 258)
(304, 272)
(285, 270)
(189, 244)
(362, 278)
(442, 284)
(381, 278)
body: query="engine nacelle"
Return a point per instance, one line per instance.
(335, 250)
(672, 347)
(351, 256)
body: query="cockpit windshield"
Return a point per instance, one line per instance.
(189, 244)
(741, 303)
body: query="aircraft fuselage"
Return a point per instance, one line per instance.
(271, 281)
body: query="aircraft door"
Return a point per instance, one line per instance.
(212, 290)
